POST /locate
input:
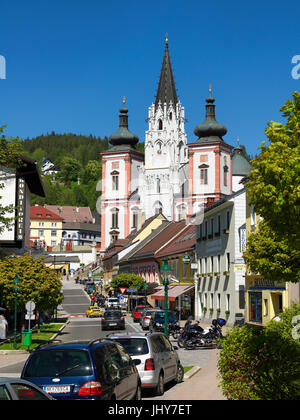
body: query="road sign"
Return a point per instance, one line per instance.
(30, 306)
(132, 290)
(29, 316)
(122, 290)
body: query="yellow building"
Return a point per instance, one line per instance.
(264, 299)
(45, 227)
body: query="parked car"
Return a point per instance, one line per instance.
(98, 370)
(113, 319)
(159, 361)
(137, 312)
(157, 321)
(112, 302)
(94, 312)
(18, 389)
(146, 316)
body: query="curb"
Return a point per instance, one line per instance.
(58, 332)
(192, 372)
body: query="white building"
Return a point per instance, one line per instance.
(173, 177)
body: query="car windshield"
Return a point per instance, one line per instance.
(113, 300)
(113, 314)
(51, 363)
(160, 316)
(134, 346)
(139, 309)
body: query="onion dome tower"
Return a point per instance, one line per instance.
(123, 138)
(210, 130)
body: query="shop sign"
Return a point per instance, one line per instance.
(186, 259)
(267, 284)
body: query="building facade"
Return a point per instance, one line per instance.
(45, 227)
(174, 177)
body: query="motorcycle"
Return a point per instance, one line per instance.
(174, 329)
(187, 330)
(205, 338)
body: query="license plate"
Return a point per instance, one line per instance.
(112, 324)
(57, 389)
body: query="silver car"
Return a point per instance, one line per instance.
(145, 317)
(159, 360)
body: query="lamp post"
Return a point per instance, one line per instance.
(145, 288)
(16, 282)
(165, 272)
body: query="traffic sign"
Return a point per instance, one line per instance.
(132, 290)
(122, 290)
(30, 306)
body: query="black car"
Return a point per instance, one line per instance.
(113, 319)
(99, 370)
(157, 321)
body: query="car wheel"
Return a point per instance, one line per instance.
(160, 388)
(180, 374)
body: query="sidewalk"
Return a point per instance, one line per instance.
(202, 386)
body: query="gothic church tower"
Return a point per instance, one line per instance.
(166, 154)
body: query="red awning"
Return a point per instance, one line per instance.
(173, 292)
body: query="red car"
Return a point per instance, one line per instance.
(137, 312)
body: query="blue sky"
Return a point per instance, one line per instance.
(70, 62)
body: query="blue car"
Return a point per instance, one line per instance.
(99, 370)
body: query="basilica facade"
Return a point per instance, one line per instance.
(173, 177)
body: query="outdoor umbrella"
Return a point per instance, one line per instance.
(2, 309)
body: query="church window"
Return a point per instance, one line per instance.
(160, 124)
(115, 182)
(171, 116)
(115, 218)
(225, 175)
(203, 176)
(135, 212)
(158, 186)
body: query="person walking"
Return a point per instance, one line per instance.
(3, 327)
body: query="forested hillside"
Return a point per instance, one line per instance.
(78, 160)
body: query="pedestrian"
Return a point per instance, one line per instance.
(3, 327)
(93, 300)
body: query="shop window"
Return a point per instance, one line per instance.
(255, 307)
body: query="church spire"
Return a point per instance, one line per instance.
(166, 90)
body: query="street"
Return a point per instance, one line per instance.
(80, 328)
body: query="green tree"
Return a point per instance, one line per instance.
(92, 171)
(262, 364)
(38, 283)
(271, 255)
(70, 170)
(131, 281)
(274, 184)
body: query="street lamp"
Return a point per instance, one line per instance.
(16, 283)
(165, 272)
(145, 288)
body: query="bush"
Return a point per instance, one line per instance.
(262, 364)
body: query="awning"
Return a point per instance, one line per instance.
(173, 292)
